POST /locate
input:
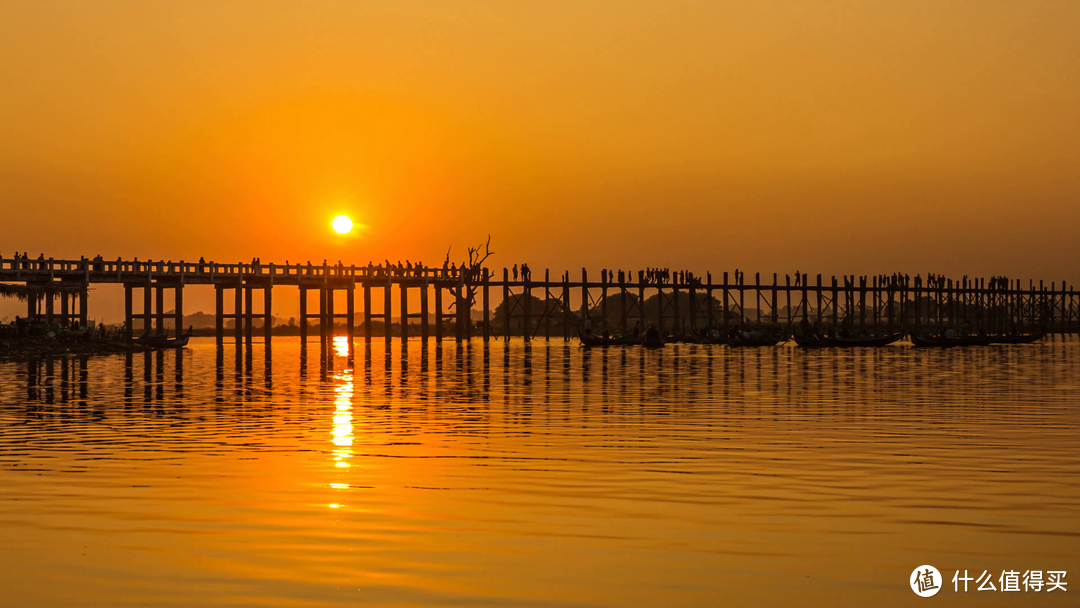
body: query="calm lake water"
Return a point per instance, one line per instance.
(542, 475)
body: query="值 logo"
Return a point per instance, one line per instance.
(925, 581)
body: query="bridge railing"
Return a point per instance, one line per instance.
(135, 269)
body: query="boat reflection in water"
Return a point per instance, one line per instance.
(532, 474)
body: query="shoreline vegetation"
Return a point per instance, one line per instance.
(18, 348)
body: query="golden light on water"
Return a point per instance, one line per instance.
(342, 429)
(342, 224)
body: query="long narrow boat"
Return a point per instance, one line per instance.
(1018, 339)
(705, 338)
(162, 341)
(808, 340)
(764, 340)
(819, 341)
(942, 342)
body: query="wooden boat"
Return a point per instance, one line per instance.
(942, 342)
(1019, 339)
(763, 340)
(163, 341)
(683, 339)
(705, 338)
(602, 342)
(808, 340)
(819, 341)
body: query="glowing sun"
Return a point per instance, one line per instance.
(342, 224)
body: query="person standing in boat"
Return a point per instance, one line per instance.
(588, 327)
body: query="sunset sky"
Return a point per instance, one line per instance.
(829, 136)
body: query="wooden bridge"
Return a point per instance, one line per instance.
(617, 302)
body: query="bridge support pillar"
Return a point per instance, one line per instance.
(249, 316)
(219, 314)
(438, 313)
(238, 313)
(425, 328)
(350, 314)
(387, 308)
(303, 315)
(367, 313)
(83, 296)
(268, 314)
(404, 303)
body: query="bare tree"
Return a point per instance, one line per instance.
(473, 274)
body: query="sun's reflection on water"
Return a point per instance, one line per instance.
(342, 430)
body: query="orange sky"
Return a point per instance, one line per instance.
(834, 137)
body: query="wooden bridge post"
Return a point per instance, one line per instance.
(526, 301)
(775, 312)
(49, 303)
(584, 297)
(980, 304)
(820, 305)
(219, 314)
(787, 292)
(350, 312)
(567, 316)
(547, 305)
(727, 312)
(487, 305)
(709, 300)
(874, 295)
(303, 314)
(403, 295)
(506, 303)
(178, 309)
(835, 306)
(159, 310)
(740, 281)
(623, 325)
(148, 309)
(692, 295)
(322, 313)
(805, 300)
(641, 301)
(939, 293)
(1066, 308)
(425, 310)
(903, 290)
(460, 308)
(965, 302)
(890, 305)
(1036, 306)
(367, 309)
(84, 296)
(603, 300)
(438, 312)
(65, 314)
(660, 304)
(331, 316)
(862, 304)
(919, 292)
(249, 313)
(129, 316)
(757, 299)
(268, 313)
(388, 307)
(676, 317)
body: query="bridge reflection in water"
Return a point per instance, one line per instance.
(528, 473)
